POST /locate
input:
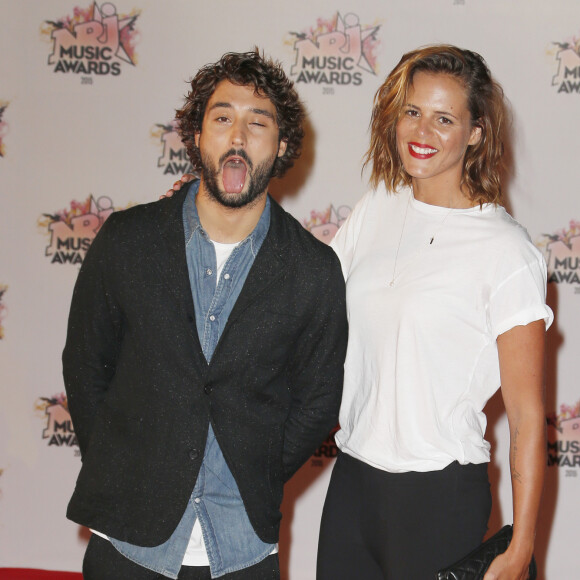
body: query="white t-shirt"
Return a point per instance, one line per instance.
(422, 357)
(196, 553)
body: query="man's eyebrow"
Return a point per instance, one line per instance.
(263, 112)
(226, 105)
(219, 105)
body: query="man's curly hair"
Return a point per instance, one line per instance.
(268, 79)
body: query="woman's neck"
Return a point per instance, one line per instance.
(443, 195)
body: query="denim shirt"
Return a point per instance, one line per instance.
(230, 540)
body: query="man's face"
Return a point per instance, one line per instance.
(238, 144)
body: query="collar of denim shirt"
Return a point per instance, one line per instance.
(191, 221)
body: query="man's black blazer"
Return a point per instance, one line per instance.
(141, 394)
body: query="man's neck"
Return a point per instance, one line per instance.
(225, 224)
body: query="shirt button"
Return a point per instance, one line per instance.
(208, 389)
(212, 317)
(193, 454)
(227, 276)
(209, 271)
(197, 500)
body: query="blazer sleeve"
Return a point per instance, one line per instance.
(317, 370)
(93, 336)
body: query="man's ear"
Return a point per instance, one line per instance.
(282, 147)
(196, 139)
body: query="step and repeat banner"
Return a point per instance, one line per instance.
(88, 93)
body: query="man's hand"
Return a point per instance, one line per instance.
(177, 185)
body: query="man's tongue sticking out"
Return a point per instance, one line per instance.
(234, 175)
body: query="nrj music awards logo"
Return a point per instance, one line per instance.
(562, 252)
(72, 231)
(174, 159)
(94, 41)
(564, 437)
(567, 78)
(339, 51)
(59, 429)
(324, 224)
(3, 126)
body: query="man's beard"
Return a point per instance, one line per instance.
(258, 179)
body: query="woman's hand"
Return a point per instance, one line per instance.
(177, 185)
(508, 566)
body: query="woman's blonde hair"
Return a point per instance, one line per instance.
(482, 165)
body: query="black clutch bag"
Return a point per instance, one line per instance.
(474, 565)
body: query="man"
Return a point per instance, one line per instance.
(205, 348)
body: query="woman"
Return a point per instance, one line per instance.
(446, 300)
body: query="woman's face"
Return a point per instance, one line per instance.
(435, 129)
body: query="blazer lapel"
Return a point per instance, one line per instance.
(167, 255)
(269, 265)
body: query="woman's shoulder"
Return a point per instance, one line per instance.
(511, 241)
(503, 226)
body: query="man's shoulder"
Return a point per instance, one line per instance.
(146, 214)
(287, 229)
(140, 211)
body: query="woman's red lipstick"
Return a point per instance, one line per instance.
(421, 151)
